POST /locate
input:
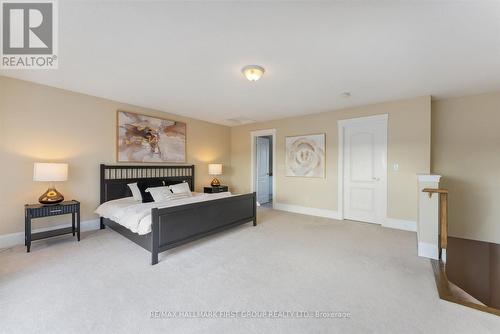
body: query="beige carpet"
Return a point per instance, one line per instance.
(289, 262)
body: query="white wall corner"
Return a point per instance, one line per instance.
(400, 224)
(428, 250)
(428, 178)
(307, 210)
(14, 239)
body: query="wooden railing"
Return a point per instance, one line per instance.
(443, 218)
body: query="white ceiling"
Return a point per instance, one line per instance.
(185, 57)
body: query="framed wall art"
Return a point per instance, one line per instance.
(305, 155)
(142, 138)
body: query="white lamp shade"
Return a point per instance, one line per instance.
(50, 172)
(215, 169)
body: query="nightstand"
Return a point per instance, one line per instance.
(33, 211)
(213, 190)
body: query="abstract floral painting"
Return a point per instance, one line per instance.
(305, 155)
(142, 138)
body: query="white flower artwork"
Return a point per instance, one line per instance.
(305, 155)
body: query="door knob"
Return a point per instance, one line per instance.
(376, 178)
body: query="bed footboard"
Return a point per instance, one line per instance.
(178, 225)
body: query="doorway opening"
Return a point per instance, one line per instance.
(263, 162)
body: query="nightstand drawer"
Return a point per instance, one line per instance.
(54, 210)
(213, 190)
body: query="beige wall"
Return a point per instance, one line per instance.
(40, 123)
(408, 145)
(466, 151)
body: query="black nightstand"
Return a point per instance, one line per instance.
(32, 211)
(213, 190)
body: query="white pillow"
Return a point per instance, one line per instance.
(181, 188)
(136, 193)
(161, 194)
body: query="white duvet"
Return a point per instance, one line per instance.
(136, 216)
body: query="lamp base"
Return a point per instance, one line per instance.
(215, 182)
(51, 196)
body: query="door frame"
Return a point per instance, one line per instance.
(253, 158)
(341, 124)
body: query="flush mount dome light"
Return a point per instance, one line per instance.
(253, 72)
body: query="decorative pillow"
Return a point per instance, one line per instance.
(161, 194)
(143, 185)
(136, 193)
(181, 188)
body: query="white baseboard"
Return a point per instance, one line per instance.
(13, 239)
(400, 224)
(307, 210)
(428, 250)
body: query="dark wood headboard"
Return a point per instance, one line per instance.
(114, 178)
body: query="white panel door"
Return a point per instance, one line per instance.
(365, 170)
(262, 170)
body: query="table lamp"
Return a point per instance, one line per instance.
(50, 172)
(215, 169)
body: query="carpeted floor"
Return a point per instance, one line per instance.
(289, 262)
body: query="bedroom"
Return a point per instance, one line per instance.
(328, 68)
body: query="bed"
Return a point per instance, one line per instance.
(174, 225)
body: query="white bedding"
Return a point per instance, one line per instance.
(136, 216)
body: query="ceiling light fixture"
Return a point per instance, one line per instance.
(253, 72)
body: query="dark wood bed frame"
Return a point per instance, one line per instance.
(177, 225)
